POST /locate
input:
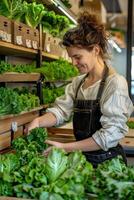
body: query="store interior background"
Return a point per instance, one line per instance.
(115, 14)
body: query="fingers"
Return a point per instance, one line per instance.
(50, 142)
(46, 152)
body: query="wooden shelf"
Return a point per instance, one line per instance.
(19, 77)
(58, 81)
(16, 50)
(48, 56)
(22, 113)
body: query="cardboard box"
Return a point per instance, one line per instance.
(46, 42)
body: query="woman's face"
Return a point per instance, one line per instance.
(83, 59)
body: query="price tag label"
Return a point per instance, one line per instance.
(14, 126)
(28, 43)
(48, 48)
(19, 40)
(35, 44)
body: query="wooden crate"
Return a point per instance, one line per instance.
(61, 134)
(5, 29)
(55, 47)
(26, 36)
(6, 125)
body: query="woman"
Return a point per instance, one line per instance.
(98, 98)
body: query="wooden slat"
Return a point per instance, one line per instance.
(61, 139)
(22, 118)
(49, 56)
(131, 119)
(19, 77)
(130, 133)
(11, 49)
(5, 139)
(66, 129)
(127, 142)
(63, 133)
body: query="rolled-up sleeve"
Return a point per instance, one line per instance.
(116, 109)
(63, 105)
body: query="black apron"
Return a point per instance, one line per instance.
(86, 121)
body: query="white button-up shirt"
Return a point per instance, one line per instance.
(115, 105)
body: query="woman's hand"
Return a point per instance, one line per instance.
(53, 143)
(32, 125)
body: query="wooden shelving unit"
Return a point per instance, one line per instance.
(23, 118)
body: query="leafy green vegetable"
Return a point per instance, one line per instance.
(56, 164)
(130, 124)
(32, 142)
(12, 103)
(6, 188)
(8, 163)
(55, 24)
(6, 67)
(112, 180)
(39, 135)
(50, 94)
(33, 13)
(50, 196)
(57, 70)
(66, 3)
(13, 9)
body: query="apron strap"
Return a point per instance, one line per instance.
(102, 83)
(80, 85)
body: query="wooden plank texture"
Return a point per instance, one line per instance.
(19, 77)
(5, 124)
(11, 49)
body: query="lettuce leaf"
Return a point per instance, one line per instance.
(56, 164)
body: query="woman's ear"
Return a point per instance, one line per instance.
(96, 50)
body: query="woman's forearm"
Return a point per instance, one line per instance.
(88, 144)
(47, 120)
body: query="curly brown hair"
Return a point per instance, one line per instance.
(87, 34)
